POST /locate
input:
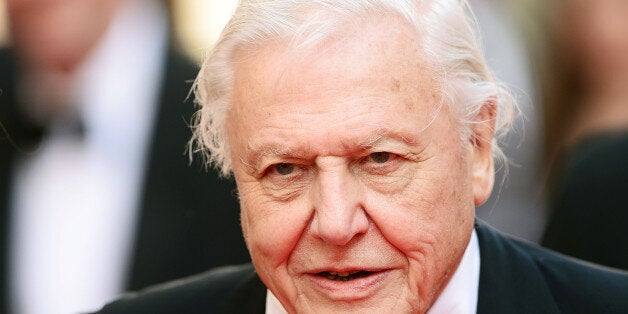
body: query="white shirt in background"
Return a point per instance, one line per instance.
(75, 201)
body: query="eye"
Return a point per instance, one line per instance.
(284, 180)
(379, 157)
(284, 168)
(381, 163)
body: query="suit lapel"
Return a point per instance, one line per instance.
(160, 222)
(5, 179)
(188, 220)
(248, 298)
(510, 281)
(18, 137)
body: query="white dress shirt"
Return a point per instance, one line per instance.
(460, 296)
(75, 200)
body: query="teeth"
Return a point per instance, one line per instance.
(343, 275)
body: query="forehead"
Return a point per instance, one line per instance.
(363, 81)
(384, 46)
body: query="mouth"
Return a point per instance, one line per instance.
(345, 275)
(349, 284)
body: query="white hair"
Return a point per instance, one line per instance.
(449, 41)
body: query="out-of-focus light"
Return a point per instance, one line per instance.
(4, 29)
(199, 22)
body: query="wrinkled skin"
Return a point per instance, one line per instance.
(347, 162)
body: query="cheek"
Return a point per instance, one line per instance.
(406, 222)
(426, 217)
(271, 229)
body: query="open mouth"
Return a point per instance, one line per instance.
(344, 276)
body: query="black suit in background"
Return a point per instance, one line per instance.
(515, 277)
(188, 218)
(590, 206)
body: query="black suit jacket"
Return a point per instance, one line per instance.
(515, 277)
(188, 218)
(590, 211)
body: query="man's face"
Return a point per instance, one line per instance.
(356, 189)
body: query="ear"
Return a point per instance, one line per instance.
(483, 131)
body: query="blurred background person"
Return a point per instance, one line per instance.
(586, 105)
(94, 182)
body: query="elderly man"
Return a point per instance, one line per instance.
(360, 134)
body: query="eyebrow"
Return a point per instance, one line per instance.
(382, 135)
(256, 153)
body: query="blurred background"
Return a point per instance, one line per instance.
(565, 61)
(197, 23)
(97, 194)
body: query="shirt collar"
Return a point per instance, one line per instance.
(461, 293)
(459, 296)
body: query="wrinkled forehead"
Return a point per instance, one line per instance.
(365, 40)
(385, 49)
(375, 72)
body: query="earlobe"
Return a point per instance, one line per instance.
(483, 131)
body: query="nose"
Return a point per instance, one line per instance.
(339, 215)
